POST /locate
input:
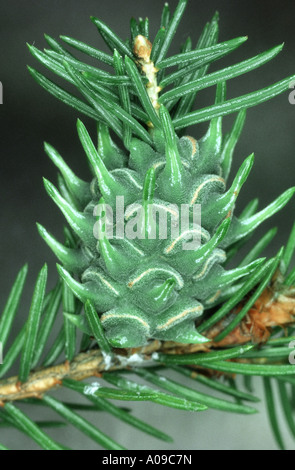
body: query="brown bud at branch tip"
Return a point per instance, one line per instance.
(142, 48)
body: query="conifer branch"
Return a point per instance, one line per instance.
(268, 312)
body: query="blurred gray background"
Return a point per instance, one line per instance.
(30, 116)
